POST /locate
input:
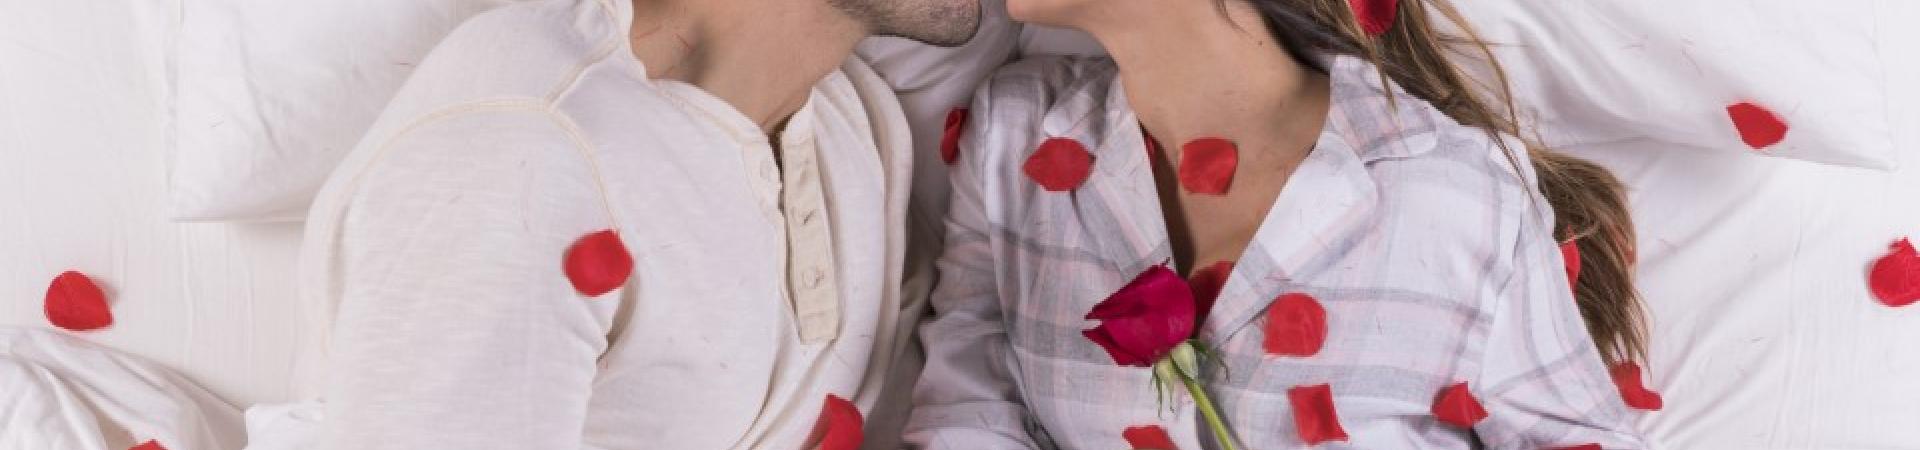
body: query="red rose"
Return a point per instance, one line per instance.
(1145, 320)
(1150, 323)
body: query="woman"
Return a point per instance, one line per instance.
(1382, 247)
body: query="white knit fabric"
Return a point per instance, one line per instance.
(435, 252)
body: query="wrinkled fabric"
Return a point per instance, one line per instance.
(62, 392)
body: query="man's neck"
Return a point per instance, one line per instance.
(763, 59)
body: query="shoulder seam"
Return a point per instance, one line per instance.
(585, 147)
(566, 125)
(439, 115)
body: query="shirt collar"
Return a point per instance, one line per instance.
(1371, 115)
(1330, 193)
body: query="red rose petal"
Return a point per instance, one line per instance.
(149, 445)
(1580, 447)
(1206, 285)
(950, 142)
(839, 427)
(1121, 354)
(1313, 414)
(1060, 165)
(1148, 437)
(1895, 278)
(1456, 406)
(73, 302)
(1570, 259)
(598, 263)
(1296, 326)
(1626, 376)
(1758, 127)
(1375, 16)
(1207, 165)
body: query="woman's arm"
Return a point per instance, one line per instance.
(966, 397)
(1542, 379)
(457, 326)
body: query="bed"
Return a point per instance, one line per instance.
(1755, 274)
(1764, 333)
(84, 125)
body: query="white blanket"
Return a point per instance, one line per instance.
(62, 392)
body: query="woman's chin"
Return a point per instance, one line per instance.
(1042, 12)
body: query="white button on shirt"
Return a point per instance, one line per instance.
(435, 252)
(791, 199)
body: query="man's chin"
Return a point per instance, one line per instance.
(943, 27)
(948, 40)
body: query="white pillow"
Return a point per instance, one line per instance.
(1605, 71)
(272, 94)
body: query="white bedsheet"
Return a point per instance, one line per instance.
(82, 187)
(1764, 335)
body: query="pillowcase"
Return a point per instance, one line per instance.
(1789, 78)
(271, 95)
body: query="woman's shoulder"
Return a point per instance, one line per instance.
(1414, 150)
(1439, 186)
(1465, 209)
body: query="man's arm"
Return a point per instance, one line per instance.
(457, 326)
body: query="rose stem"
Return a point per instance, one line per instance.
(1206, 410)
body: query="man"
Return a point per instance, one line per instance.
(625, 224)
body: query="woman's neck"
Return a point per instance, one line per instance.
(1227, 78)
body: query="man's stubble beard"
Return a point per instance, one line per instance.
(943, 23)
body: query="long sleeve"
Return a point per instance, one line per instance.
(930, 83)
(1542, 379)
(457, 326)
(966, 397)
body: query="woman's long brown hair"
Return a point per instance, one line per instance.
(1588, 202)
